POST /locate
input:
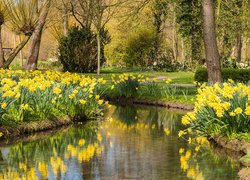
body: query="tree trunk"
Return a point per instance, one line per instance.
(1, 49)
(32, 59)
(175, 39)
(239, 49)
(246, 49)
(33, 52)
(98, 53)
(14, 42)
(15, 51)
(211, 48)
(183, 57)
(236, 52)
(21, 53)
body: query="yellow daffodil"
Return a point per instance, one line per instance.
(247, 112)
(57, 90)
(82, 101)
(181, 150)
(238, 111)
(4, 105)
(181, 133)
(81, 142)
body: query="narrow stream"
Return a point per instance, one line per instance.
(129, 144)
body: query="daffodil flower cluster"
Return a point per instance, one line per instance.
(220, 109)
(127, 84)
(36, 95)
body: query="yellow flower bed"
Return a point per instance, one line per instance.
(220, 109)
(127, 85)
(36, 95)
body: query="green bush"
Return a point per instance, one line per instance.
(78, 51)
(140, 48)
(201, 75)
(238, 75)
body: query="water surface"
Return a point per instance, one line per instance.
(129, 144)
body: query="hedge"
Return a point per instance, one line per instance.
(238, 75)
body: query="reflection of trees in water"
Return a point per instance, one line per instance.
(138, 151)
(126, 114)
(141, 152)
(160, 117)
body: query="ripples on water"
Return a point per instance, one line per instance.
(129, 144)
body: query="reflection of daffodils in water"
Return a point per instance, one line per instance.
(14, 175)
(167, 131)
(111, 144)
(43, 168)
(57, 164)
(108, 134)
(111, 123)
(86, 153)
(99, 137)
(191, 170)
(82, 151)
(89, 152)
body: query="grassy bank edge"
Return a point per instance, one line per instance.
(34, 127)
(174, 104)
(236, 145)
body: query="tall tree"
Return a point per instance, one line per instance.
(160, 12)
(33, 52)
(100, 7)
(188, 17)
(2, 19)
(230, 27)
(211, 48)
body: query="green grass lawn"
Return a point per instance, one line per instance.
(185, 95)
(177, 77)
